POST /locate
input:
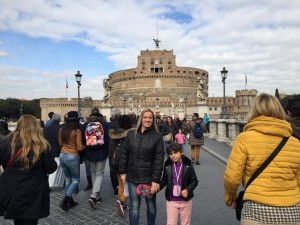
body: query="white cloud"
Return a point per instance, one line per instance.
(260, 38)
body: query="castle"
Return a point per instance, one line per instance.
(156, 83)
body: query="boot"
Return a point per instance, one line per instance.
(72, 203)
(90, 183)
(64, 203)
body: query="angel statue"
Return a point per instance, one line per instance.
(181, 103)
(201, 83)
(131, 103)
(107, 88)
(156, 42)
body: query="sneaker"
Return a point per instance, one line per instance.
(92, 202)
(197, 163)
(120, 208)
(98, 201)
(193, 161)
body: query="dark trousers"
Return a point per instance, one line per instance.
(25, 222)
(114, 180)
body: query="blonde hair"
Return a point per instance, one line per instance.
(139, 123)
(266, 105)
(29, 135)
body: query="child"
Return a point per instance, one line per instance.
(180, 187)
(180, 138)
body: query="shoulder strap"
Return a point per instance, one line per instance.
(268, 161)
(13, 158)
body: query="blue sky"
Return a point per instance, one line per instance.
(43, 42)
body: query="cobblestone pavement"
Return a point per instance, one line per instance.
(208, 204)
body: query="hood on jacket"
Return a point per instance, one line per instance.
(119, 133)
(269, 125)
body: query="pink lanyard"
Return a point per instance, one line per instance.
(177, 175)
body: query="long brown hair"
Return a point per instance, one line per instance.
(139, 123)
(29, 135)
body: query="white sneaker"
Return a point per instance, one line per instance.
(120, 208)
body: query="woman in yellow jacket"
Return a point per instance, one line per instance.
(274, 196)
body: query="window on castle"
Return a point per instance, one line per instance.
(157, 70)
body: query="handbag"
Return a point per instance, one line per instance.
(57, 178)
(13, 158)
(168, 137)
(239, 201)
(143, 190)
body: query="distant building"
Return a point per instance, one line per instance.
(156, 83)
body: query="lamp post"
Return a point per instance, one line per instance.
(78, 80)
(224, 108)
(124, 101)
(21, 109)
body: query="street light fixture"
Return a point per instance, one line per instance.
(224, 108)
(124, 100)
(78, 80)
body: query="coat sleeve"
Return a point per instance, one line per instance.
(49, 164)
(4, 151)
(158, 161)
(234, 170)
(194, 180)
(164, 180)
(79, 145)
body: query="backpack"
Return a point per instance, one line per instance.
(94, 134)
(116, 153)
(197, 131)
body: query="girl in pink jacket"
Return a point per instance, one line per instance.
(180, 138)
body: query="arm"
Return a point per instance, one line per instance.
(79, 145)
(48, 162)
(158, 161)
(194, 180)
(164, 180)
(234, 170)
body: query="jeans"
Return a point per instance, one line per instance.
(87, 166)
(70, 164)
(135, 202)
(97, 171)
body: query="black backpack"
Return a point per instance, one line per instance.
(197, 131)
(116, 153)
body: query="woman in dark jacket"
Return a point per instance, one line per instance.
(169, 127)
(24, 189)
(142, 163)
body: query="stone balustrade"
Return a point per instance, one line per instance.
(225, 130)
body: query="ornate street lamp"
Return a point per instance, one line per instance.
(224, 108)
(78, 80)
(124, 100)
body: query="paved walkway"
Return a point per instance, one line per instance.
(208, 205)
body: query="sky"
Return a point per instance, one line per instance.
(43, 43)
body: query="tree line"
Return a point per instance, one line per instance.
(11, 109)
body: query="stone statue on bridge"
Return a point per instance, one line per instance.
(107, 88)
(201, 83)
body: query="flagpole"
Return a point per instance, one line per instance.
(67, 86)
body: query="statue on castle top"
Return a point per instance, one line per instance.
(156, 42)
(172, 109)
(107, 89)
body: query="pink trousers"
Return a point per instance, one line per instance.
(179, 208)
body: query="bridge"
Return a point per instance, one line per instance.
(208, 205)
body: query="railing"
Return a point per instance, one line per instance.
(225, 130)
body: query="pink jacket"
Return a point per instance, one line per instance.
(180, 138)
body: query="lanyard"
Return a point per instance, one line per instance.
(177, 175)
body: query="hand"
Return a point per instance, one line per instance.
(154, 187)
(123, 178)
(184, 193)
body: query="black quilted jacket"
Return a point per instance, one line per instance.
(143, 156)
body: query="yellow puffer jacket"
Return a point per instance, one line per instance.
(279, 183)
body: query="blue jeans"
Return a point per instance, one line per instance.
(70, 164)
(135, 202)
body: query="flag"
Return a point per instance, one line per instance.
(67, 84)
(245, 78)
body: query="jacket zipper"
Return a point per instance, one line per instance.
(138, 161)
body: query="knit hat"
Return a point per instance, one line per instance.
(72, 116)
